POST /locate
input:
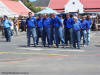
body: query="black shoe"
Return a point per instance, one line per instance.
(44, 46)
(28, 46)
(79, 48)
(37, 44)
(57, 46)
(49, 46)
(34, 45)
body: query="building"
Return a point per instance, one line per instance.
(75, 5)
(12, 8)
(58, 5)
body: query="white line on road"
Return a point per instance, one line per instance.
(52, 49)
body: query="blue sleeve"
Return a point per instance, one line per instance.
(42, 20)
(35, 21)
(59, 19)
(90, 22)
(9, 23)
(72, 21)
(80, 24)
(87, 24)
(49, 21)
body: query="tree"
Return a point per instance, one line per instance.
(31, 6)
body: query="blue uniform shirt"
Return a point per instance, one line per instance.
(84, 24)
(89, 23)
(79, 19)
(39, 23)
(31, 22)
(46, 22)
(77, 26)
(68, 23)
(6, 23)
(51, 21)
(57, 21)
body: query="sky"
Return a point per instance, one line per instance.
(32, 0)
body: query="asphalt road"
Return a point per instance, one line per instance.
(16, 59)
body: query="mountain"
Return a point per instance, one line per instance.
(43, 3)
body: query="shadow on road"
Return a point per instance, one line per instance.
(97, 45)
(2, 41)
(22, 46)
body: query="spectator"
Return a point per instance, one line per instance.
(7, 31)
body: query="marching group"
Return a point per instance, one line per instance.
(54, 30)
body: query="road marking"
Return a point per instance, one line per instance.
(31, 53)
(52, 49)
(47, 54)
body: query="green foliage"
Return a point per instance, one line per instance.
(14, 0)
(31, 6)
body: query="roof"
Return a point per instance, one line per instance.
(5, 11)
(57, 4)
(89, 5)
(42, 3)
(92, 10)
(16, 7)
(47, 10)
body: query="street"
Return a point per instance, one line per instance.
(17, 59)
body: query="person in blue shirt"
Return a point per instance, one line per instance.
(68, 32)
(39, 27)
(88, 28)
(31, 25)
(78, 16)
(52, 37)
(7, 31)
(46, 30)
(57, 30)
(76, 33)
(84, 25)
